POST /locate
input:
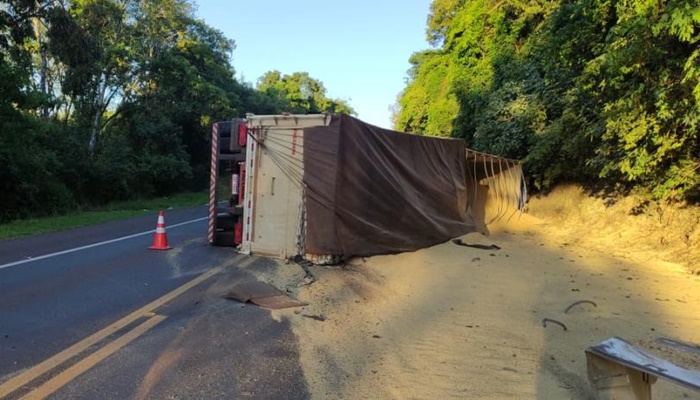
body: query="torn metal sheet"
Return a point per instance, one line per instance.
(262, 294)
(616, 351)
(278, 302)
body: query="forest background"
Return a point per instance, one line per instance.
(108, 100)
(604, 93)
(113, 100)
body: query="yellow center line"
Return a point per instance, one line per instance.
(88, 362)
(58, 359)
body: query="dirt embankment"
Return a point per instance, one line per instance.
(627, 227)
(460, 322)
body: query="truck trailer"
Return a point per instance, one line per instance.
(327, 187)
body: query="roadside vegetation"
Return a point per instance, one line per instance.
(108, 100)
(602, 93)
(96, 215)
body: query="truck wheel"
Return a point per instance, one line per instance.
(224, 239)
(224, 145)
(226, 222)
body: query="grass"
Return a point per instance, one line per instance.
(110, 212)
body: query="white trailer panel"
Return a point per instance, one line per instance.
(273, 183)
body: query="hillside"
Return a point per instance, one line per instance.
(626, 227)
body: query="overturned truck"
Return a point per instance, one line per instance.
(328, 187)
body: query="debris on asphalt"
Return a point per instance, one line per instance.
(459, 242)
(554, 321)
(319, 317)
(574, 304)
(263, 295)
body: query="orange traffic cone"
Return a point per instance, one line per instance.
(160, 239)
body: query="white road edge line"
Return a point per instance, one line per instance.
(89, 246)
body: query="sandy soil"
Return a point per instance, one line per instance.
(457, 322)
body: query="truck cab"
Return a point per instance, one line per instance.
(256, 191)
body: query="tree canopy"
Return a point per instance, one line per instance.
(300, 93)
(104, 100)
(591, 91)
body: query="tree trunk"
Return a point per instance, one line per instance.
(43, 66)
(98, 113)
(42, 78)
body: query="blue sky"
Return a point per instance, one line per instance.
(358, 49)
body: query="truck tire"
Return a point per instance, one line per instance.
(225, 129)
(225, 145)
(224, 239)
(226, 222)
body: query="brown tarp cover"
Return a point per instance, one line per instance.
(375, 191)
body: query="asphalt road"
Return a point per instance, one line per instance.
(195, 344)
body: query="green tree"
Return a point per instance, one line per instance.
(103, 100)
(302, 93)
(588, 90)
(96, 42)
(31, 177)
(650, 77)
(428, 105)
